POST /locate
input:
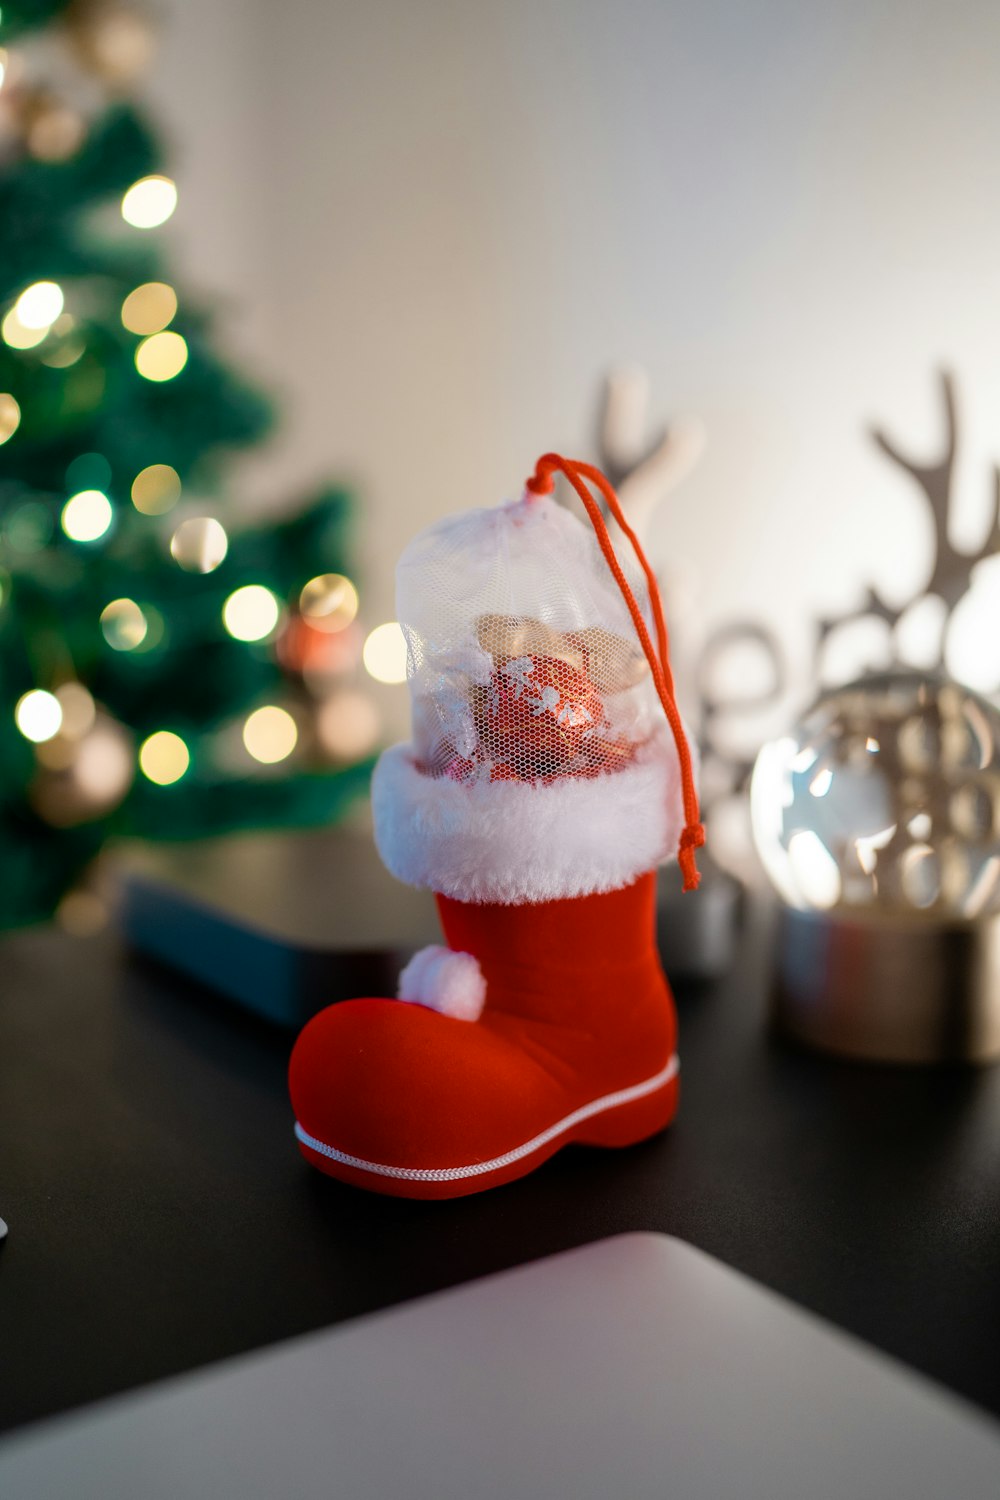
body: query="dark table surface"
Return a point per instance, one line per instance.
(161, 1217)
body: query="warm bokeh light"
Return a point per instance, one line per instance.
(124, 625)
(64, 347)
(55, 132)
(251, 613)
(39, 305)
(384, 654)
(156, 489)
(64, 344)
(347, 725)
(38, 715)
(156, 629)
(86, 516)
(104, 768)
(98, 767)
(163, 757)
(78, 710)
(16, 336)
(149, 308)
(149, 202)
(270, 734)
(10, 416)
(81, 914)
(199, 544)
(329, 602)
(161, 356)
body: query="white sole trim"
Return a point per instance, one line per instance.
(480, 1168)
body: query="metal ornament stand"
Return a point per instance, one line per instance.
(898, 988)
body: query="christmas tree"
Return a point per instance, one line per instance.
(155, 661)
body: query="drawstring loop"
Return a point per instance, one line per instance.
(542, 482)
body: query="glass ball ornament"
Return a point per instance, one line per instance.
(885, 797)
(877, 818)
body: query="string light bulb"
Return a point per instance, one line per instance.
(384, 653)
(37, 308)
(38, 715)
(86, 516)
(329, 602)
(270, 734)
(161, 356)
(156, 629)
(163, 758)
(123, 624)
(156, 489)
(149, 308)
(199, 544)
(78, 710)
(251, 613)
(149, 202)
(10, 416)
(39, 305)
(16, 335)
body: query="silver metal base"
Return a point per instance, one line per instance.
(905, 989)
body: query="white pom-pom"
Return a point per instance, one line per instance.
(451, 983)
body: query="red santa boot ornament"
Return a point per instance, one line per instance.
(549, 775)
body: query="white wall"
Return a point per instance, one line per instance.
(443, 219)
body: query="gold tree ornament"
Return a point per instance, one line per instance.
(54, 131)
(112, 39)
(82, 779)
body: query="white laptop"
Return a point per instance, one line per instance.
(634, 1367)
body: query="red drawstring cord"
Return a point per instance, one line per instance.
(542, 482)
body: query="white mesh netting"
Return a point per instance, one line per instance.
(523, 662)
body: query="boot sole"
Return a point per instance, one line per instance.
(619, 1119)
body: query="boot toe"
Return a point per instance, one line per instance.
(402, 1086)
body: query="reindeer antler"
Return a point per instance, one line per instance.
(643, 473)
(951, 571)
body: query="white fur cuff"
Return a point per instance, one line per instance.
(451, 983)
(511, 842)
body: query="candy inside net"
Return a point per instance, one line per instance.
(522, 659)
